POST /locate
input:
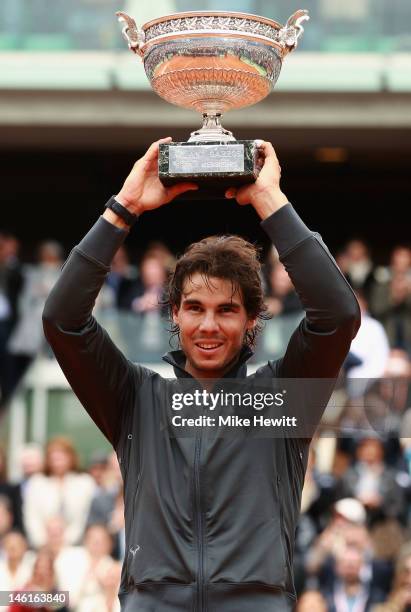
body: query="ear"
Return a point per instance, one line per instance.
(251, 323)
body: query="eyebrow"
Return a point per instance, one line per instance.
(192, 301)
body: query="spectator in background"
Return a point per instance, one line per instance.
(282, 297)
(27, 338)
(113, 475)
(373, 483)
(121, 279)
(11, 493)
(311, 601)
(385, 406)
(31, 463)
(97, 468)
(391, 299)
(400, 596)
(353, 424)
(68, 494)
(146, 304)
(352, 588)
(107, 506)
(70, 562)
(153, 276)
(371, 347)
(348, 517)
(6, 516)
(318, 493)
(16, 564)
(105, 598)
(43, 579)
(11, 282)
(400, 263)
(149, 280)
(358, 266)
(97, 548)
(158, 249)
(347, 531)
(317, 498)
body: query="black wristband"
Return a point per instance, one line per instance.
(121, 211)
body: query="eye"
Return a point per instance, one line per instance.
(194, 308)
(226, 309)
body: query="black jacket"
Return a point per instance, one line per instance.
(210, 522)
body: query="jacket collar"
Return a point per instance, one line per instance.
(239, 369)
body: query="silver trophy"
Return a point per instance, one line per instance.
(212, 62)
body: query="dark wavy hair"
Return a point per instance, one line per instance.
(226, 257)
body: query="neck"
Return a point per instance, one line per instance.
(13, 565)
(352, 588)
(208, 376)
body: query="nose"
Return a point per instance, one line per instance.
(208, 323)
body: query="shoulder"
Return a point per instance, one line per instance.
(80, 479)
(142, 373)
(269, 370)
(37, 482)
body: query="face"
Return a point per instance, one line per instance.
(349, 564)
(14, 546)
(213, 323)
(310, 601)
(152, 272)
(407, 578)
(43, 573)
(97, 541)
(356, 250)
(98, 471)
(6, 519)
(59, 461)
(48, 255)
(401, 259)
(370, 452)
(31, 462)
(280, 281)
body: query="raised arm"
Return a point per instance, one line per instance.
(318, 347)
(100, 375)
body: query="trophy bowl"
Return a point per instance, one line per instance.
(213, 61)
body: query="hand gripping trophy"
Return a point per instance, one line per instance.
(212, 62)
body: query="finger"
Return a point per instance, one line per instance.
(176, 190)
(152, 152)
(267, 149)
(231, 193)
(243, 196)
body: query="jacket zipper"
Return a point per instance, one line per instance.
(199, 524)
(281, 521)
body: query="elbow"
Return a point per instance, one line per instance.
(49, 318)
(349, 318)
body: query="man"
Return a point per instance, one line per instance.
(210, 522)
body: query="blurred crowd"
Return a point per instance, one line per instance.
(136, 290)
(62, 527)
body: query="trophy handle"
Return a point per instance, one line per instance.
(133, 35)
(288, 35)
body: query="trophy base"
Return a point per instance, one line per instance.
(214, 166)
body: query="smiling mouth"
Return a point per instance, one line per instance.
(208, 346)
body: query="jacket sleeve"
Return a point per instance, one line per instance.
(99, 374)
(320, 344)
